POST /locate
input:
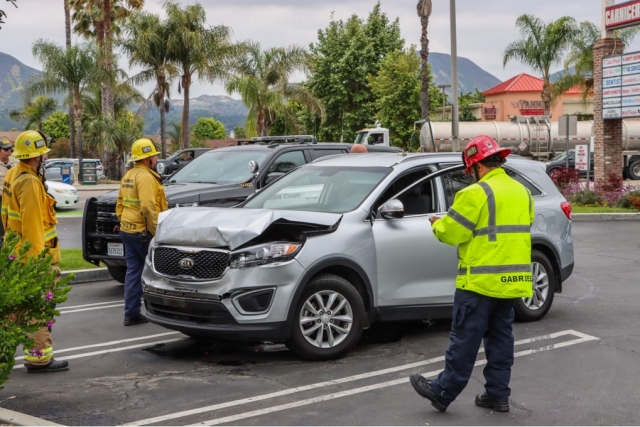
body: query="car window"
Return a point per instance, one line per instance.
(185, 156)
(288, 161)
(327, 189)
(419, 200)
(318, 152)
(524, 181)
(454, 182)
(220, 167)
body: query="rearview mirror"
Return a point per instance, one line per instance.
(393, 209)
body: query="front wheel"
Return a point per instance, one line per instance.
(328, 319)
(634, 170)
(118, 272)
(544, 285)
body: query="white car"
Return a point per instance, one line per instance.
(66, 195)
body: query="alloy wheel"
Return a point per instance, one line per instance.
(540, 287)
(326, 319)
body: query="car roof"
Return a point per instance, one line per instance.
(281, 146)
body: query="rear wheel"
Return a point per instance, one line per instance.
(544, 285)
(328, 319)
(118, 272)
(634, 170)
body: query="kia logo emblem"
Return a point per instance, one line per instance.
(186, 263)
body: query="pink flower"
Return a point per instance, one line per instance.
(49, 296)
(36, 352)
(12, 257)
(50, 323)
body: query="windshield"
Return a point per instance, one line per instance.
(220, 167)
(360, 137)
(326, 189)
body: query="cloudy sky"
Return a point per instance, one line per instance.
(484, 28)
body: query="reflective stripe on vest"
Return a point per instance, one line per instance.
(497, 269)
(461, 220)
(14, 215)
(50, 233)
(491, 206)
(503, 229)
(131, 202)
(47, 353)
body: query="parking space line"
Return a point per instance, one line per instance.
(259, 412)
(352, 378)
(105, 344)
(114, 350)
(91, 308)
(90, 305)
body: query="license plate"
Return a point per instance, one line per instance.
(115, 249)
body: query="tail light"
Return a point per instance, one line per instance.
(566, 208)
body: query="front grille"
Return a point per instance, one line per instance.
(213, 314)
(107, 222)
(207, 264)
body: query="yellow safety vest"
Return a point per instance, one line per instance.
(140, 200)
(491, 222)
(29, 211)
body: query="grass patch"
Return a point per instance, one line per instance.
(71, 259)
(600, 209)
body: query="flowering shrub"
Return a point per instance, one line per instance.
(614, 183)
(28, 297)
(586, 197)
(630, 200)
(565, 177)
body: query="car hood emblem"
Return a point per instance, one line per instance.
(186, 263)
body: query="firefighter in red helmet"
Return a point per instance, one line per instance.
(490, 222)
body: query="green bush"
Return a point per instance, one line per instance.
(29, 294)
(586, 198)
(630, 200)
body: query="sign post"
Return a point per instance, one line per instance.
(582, 159)
(568, 125)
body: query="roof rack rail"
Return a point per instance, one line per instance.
(275, 140)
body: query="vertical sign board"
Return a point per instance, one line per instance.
(621, 86)
(582, 157)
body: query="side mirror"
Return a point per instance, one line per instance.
(393, 209)
(272, 177)
(253, 166)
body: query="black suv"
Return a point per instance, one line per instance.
(178, 160)
(223, 177)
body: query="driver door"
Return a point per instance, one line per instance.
(414, 268)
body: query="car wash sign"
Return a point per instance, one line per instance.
(621, 86)
(622, 15)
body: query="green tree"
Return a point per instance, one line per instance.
(344, 55)
(146, 45)
(240, 132)
(3, 15)
(397, 87)
(67, 31)
(174, 134)
(34, 112)
(208, 128)
(465, 100)
(56, 125)
(197, 50)
(62, 68)
(263, 84)
(424, 9)
(542, 46)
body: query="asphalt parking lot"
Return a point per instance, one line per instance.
(577, 366)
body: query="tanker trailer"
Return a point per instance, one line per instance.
(531, 137)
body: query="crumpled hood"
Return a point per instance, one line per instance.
(232, 228)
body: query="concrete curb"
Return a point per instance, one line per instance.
(605, 217)
(20, 419)
(88, 276)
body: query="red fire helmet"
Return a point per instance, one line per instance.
(480, 148)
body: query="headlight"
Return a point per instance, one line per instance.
(70, 192)
(264, 254)
(160, 168)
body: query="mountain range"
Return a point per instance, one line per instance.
(231, 112)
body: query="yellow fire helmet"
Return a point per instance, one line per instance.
(143, 148)
(30, 144)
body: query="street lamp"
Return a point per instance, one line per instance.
(443, 87)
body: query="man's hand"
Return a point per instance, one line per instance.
(433, 219)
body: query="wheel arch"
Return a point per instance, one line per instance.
(546, 247)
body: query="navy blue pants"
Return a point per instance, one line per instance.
(136, 252)
(478, 318)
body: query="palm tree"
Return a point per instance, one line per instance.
(541, 46)
(146, 46)
(34, 112)
(67, 28)
(174, 133)
(196, 49)
(424, 12)
(74, 66)
(263, 85)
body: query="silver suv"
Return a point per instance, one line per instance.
(320, 254)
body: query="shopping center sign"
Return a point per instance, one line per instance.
(622, 15)
(621, 86)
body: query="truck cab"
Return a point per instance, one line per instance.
(373, 136)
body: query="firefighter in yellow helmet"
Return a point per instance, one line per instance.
(6, 163)
(29, 211)
(140, 201)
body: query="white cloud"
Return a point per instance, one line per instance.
(484, 28)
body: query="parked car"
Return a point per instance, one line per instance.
(53, 173)
(332, 247)
(66, 196)
(178, 160)
(223, 177)
(560, 161)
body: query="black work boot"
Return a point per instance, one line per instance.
(130, 321)
(53, 366)
(423, 387)
(484, 401)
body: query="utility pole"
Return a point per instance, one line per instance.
(454, 78)
(443, 87)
